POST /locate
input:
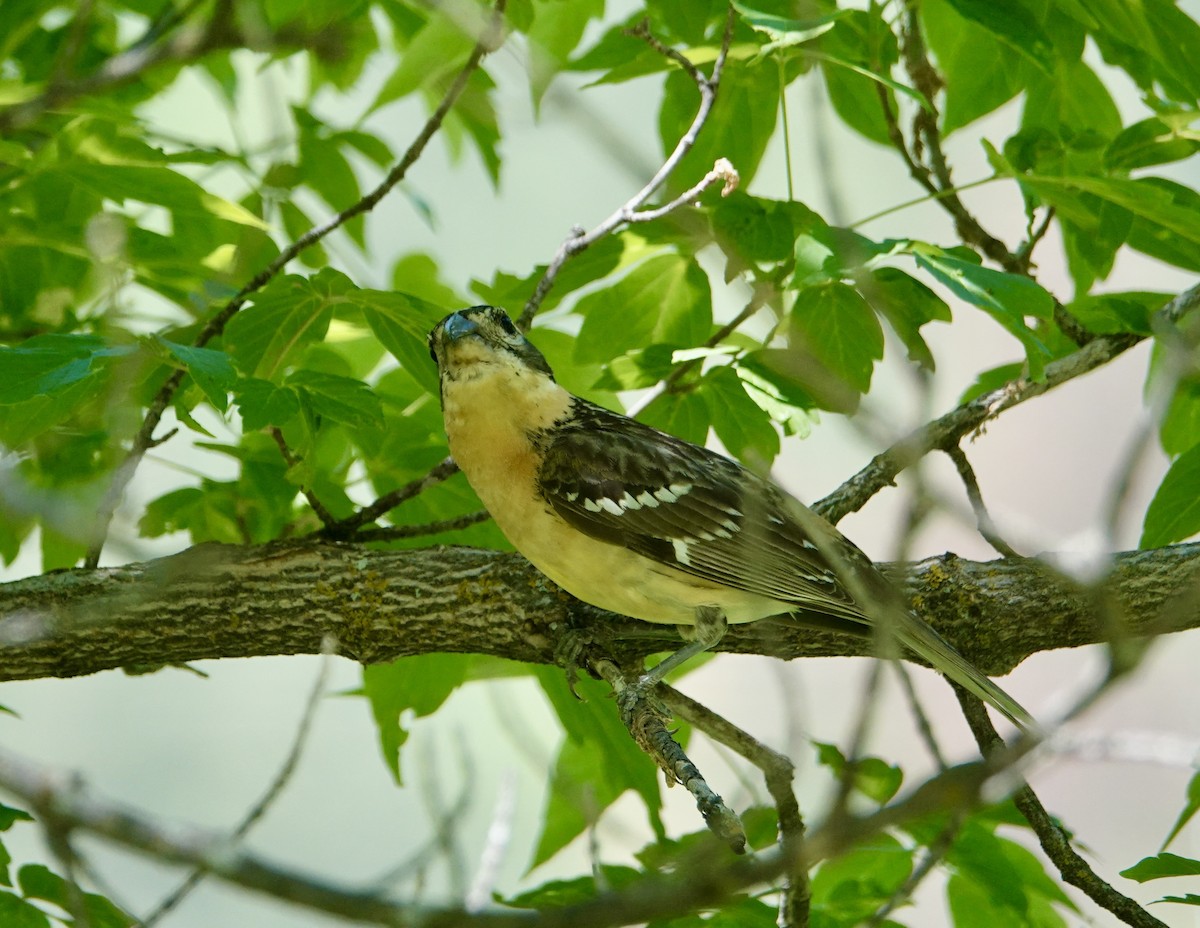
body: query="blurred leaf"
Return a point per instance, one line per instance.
(684, 415)
(1174, 513)
(874, 778)
(418, 684)
(849, 889)
(597, 763)
(15, 912)
(991, 380)
(554, 34)
(9, 816)
(38, 882)
(856, 60)
(559, 893)
(1189, 809)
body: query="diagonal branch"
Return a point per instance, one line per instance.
(144, 439)
(625, 213)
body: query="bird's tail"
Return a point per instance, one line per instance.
(924, 641)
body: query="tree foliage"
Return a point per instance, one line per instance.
(235, 294)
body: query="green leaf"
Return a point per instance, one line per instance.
(743, 427)
(684, 415)
(1007, 298)
(663, 300)
(438, 49)
(212, 370)
(1174, 513)
(1157, 140)
(342, 399)
(766, 382)
(1013, 24)
(418, 684)
(261, 403)
(15, 912)
(1189, 899)
(46, 365)
(1180, 428)
(874, 778)
(1161, 866)
(784, 32)
(598, 762)
(559, 893)
(1112, 313)
(554, 34)
(907, 304)
(402, 323)
(834, 324)
(739, 125)
(979, 71)
(38, 882)
(991, 380)
(856, 59)
(288, 314)
(849, 889)
(9, 816)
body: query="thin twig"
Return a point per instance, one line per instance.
(281, 779)
(924, 728)
(1057, 846)
(326, 517)
(646, 723)
(577, 243)
(778, 772)
(949, 429)
(934, 854)
(443, 470)
(983, 519)
(392, 532)
(143, 440)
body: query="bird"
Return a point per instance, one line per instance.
(639, 522)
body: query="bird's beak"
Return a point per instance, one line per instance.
(459, 326)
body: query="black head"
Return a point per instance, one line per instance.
(493, 335)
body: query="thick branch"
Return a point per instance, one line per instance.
(216, 601)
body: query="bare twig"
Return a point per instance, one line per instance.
(392, 532)
(983, 519)
(778, 772)
(583, 240)
(949, 429)
(1073, 868)
(326, 517)
(144, 439)
(443, 470)
(646, 723)
(286, 769)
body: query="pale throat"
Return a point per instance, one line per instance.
(492, 410)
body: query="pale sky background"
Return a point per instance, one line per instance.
(201, 751)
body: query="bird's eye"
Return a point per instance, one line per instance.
(506, 324)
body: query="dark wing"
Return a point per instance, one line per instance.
(693, 509)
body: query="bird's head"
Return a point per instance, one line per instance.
(483, 341)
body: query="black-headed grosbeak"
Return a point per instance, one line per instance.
(642, 523)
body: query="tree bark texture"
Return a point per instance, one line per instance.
(221, 601)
